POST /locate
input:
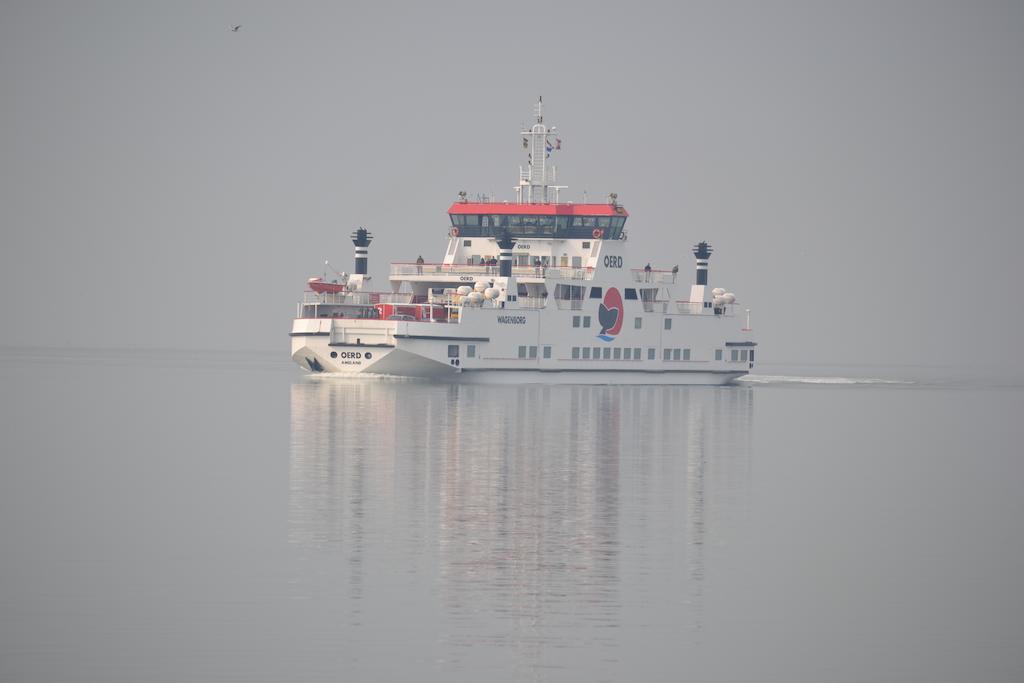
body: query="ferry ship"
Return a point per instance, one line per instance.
(531, 290)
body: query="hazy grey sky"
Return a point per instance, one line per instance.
(858, 167)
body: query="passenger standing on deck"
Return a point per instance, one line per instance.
(675, 271)
(647, 273)
(419, 265)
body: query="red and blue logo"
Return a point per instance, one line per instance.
(610, 315)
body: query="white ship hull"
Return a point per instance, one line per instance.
(424, 351)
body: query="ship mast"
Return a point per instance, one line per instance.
(534, 186)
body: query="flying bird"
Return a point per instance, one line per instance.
(235, 28)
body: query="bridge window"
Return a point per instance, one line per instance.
(630, 294)
(569, 292)
(595, 292)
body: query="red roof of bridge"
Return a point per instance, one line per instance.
(502, 208)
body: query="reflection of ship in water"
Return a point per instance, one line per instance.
(545, 508)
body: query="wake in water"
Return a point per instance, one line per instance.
(792, 379)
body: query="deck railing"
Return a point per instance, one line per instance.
(455, 269)
(657, 276)
(355, 298)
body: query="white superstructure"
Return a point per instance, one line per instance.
(531, 290)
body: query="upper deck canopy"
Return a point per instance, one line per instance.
(560, 221)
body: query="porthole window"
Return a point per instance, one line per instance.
(334, 354)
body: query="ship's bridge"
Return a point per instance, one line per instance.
(538, 221)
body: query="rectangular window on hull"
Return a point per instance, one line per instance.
(718, 354)
(686, 354)
(575, 352)
(597, 353)
(533, 352)
(453, 350)
(547, 352)
(586, 321)
(575, 319)
(522, 352)
(636, 353)
(667, 354)
(743, 354)
(617, 353)
(607, 353)
(471, 351)
(650, 354)
(735, 355)
(637, 323)
(668, 323)
(586, 353)
(627, 354)
(675, 354)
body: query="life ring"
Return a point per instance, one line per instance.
(455, 232)
(598, 233)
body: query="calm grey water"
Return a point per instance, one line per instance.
(170, 516)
